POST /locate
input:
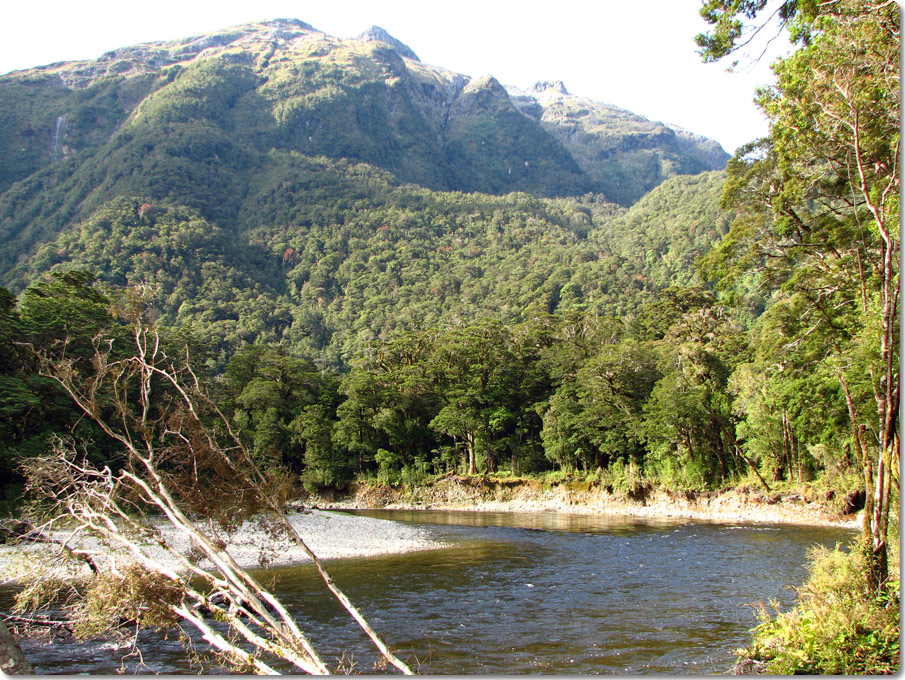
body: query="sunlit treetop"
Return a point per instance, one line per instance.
(736, 23)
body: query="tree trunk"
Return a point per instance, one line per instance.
(754, 468)
(787, 446)
(876, 498)
(12, 660)
(469, 445)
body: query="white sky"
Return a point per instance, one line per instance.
(636, 54)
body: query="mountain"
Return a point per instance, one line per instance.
(624, 155)
(277, 183)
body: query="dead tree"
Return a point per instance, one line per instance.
(182, 462)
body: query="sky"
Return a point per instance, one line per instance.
(638, 55)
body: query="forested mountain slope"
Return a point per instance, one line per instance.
(342, 257)
(624, 154)
(276, 183)
(196, 122)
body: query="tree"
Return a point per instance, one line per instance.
(313, 430)
(356, 429)
(819, 216)
(788, 401)
(595, 415)
(65, 305)
(476, 376)
(735, 26)
(182, 460)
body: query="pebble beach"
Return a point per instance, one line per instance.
(330, 535)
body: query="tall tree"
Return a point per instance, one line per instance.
(819, 203)
(478, 377)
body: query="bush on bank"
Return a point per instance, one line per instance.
(836, 627)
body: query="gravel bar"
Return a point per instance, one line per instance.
(330, 535)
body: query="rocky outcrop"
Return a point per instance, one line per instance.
(376, 33)
(625, 155)
(109, 125)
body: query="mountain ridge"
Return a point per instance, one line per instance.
(255, 44)
(275, 183)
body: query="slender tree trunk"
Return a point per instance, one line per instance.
(787, 446)
(719, 449)
(876, 498)
(754, 468)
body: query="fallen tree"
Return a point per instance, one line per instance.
(182, 468)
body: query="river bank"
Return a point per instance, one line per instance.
(333, 535)
(742, 504)
(330, 535)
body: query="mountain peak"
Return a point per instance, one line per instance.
(545, 85)
(376, 33)
(288, 23)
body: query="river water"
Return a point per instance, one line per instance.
(532, 593)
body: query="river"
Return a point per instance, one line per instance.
(516, 593)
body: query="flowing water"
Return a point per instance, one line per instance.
(532, 593)
(59, 130)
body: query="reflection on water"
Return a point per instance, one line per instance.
(539, 593)
(545, 521)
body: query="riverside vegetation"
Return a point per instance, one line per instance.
(356, 309)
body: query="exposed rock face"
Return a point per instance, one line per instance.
(551, 85)
(376, 33)
(595, 147)
(624, 154)
(707, 151)
(153, 56)
(209, 107)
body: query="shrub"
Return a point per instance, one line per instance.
(836, 627)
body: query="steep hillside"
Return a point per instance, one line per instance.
(663, 234)
(343, 257)
(274, 183)
(624, 155)
(196, 122)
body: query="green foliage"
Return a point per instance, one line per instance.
(205, 90)
(734, 22)
(46, 123)
(818, 227)
(60, 316)
(356, 260)
(359, 324)
(668, 229)
(836, 628)
(285, 409)
(389, 466)
(496, 149)
(688, 415)
(205, 131)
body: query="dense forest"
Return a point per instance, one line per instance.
(360, 325)
(290, 262)
(358, 311)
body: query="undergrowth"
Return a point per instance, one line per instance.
(836, 626)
